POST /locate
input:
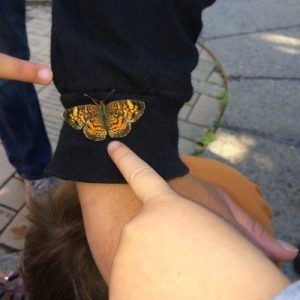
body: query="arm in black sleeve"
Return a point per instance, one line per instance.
(143, 49)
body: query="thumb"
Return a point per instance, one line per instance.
(275, 249)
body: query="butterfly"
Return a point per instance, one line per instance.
(99, 120)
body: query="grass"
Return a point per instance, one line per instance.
(210, 135)
(207, 138)
(223, 98)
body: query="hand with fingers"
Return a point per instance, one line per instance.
(216, 200)
(12, 68)
(176, 249)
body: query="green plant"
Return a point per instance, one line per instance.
(210, 135)
(207, 138)
(223, 98)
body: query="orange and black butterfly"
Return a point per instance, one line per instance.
(99, 120)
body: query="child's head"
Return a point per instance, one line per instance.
(57, 260)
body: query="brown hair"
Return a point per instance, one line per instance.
(57, 262)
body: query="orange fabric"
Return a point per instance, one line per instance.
(245, 193)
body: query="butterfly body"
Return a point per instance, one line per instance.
(99, 120)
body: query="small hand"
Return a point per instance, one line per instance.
(171, 248)
(217, 201)
(105, 216)
(12, 68)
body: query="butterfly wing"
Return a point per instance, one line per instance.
(120, 114)
(115, 118)
(77, 116)
(131, 110)
(117, 125)
(94, 128)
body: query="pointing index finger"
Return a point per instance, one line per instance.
(145, 181)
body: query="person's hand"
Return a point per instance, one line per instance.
(107, 208)
(12, 68)
(176, 249)
(217, 201)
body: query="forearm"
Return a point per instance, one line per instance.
(106, 208)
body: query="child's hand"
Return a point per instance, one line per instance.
(176, 249)
(21, 70)
(218, 202)
(107, 208)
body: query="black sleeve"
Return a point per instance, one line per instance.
(143, 49)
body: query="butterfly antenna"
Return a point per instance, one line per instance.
(109, 94)
(93, 99)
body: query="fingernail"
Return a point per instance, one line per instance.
(45, 74)
(113, 145)
(288, 246)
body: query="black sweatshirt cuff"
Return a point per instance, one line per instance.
(154, 137)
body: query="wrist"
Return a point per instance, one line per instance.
(106, 208)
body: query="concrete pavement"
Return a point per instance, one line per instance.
(258, 42)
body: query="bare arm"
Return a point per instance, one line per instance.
(107, 208)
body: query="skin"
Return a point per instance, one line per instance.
(151, 263)
(17, 69)
(107, 208)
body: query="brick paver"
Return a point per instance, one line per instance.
(195, 118)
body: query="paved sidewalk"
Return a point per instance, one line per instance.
(199, 115)
(259, 44)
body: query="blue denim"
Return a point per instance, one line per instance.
(22, 129)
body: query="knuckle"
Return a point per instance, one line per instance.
(122, 157)
(139, 172)
(257, 228)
